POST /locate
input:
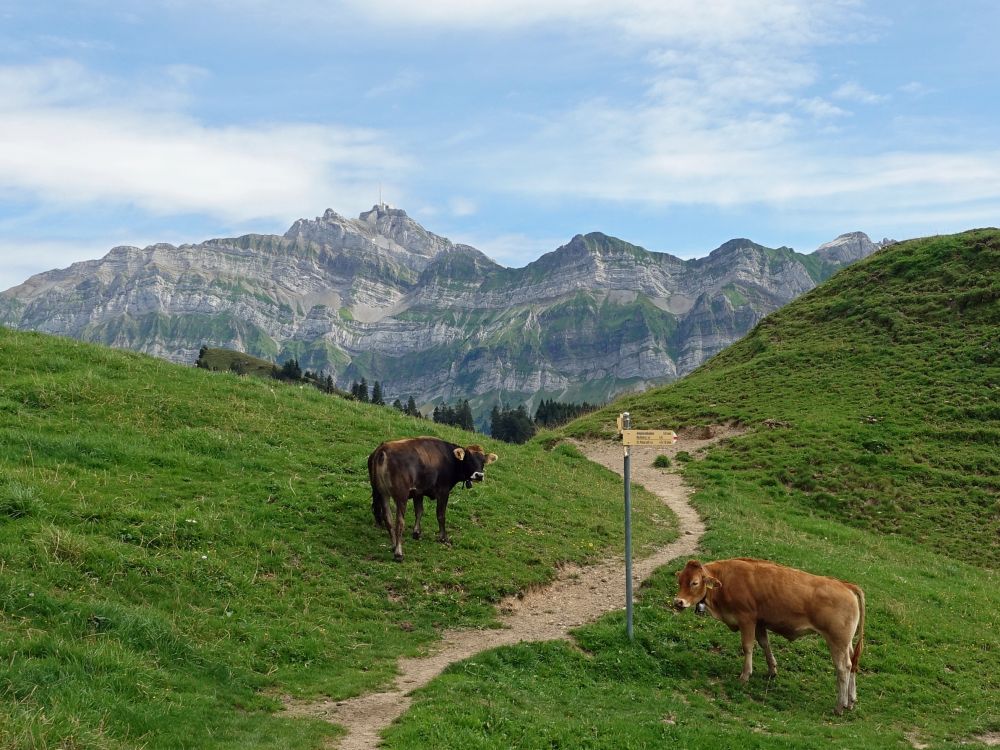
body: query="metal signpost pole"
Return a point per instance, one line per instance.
(627, 424)
(632, 437)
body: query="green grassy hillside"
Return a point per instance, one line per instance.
(177, 545)
(883, 389)
(872, 455)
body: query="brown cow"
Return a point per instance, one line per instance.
(754, 596)
(415, 467)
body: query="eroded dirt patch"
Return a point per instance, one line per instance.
(578, 595)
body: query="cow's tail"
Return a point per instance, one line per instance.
(375, 460)
(856, 656)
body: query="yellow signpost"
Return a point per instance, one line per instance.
(648, 437)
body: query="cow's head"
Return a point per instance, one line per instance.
(473, 461)
(693, 584)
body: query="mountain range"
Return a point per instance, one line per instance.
(381, 297)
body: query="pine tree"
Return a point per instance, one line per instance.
(398, 405)
(363, 391)
(511, 425)
(411, 408)
(291, 370)
(377, 394)
(463, 417)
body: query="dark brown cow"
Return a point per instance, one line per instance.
(754, 596)
(415, 467)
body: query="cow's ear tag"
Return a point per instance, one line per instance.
(460, 454)
(713, 583)
(491, 458)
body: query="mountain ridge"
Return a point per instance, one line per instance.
(381, 297)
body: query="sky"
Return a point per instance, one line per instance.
(510, 125)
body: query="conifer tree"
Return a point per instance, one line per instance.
(463, 417)
(291, 370)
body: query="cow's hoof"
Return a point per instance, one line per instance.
(839, 710)
(397, 557)
(744, 678)
(416, 534)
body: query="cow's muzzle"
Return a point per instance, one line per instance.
(478, 476)
(680, 605)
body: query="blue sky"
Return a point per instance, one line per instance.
(509, 125)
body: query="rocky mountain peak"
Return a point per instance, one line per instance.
(383, 227)
(382, 211)
(733, 246)
(847, 248)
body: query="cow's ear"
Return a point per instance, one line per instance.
(459, 453)
(712, 583)
(491, 458)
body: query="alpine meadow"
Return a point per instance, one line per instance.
(179, 548)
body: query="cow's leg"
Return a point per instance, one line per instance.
(398, 527)
(385, 509)
(418, 511)
(380, 505)
(387, 517)
(852, 696)
(765, 644)
(747, 633)
(442, 510)
(841, 655)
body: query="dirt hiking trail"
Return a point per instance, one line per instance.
(578, 595)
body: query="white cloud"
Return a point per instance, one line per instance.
(764, 22)
(915, 88)
(48, 83)
(61, 148)
(822, 109)
(727, 21)
(460, 206)
(855, 92)
(402, 82)
(728, 166)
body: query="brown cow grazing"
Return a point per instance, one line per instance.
(415, 467)
(754, 596)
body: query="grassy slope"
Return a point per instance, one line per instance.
(886, 474)
(176, 545)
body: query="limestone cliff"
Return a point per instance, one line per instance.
(381, 297)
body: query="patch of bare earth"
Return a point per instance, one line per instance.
(578, 595)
